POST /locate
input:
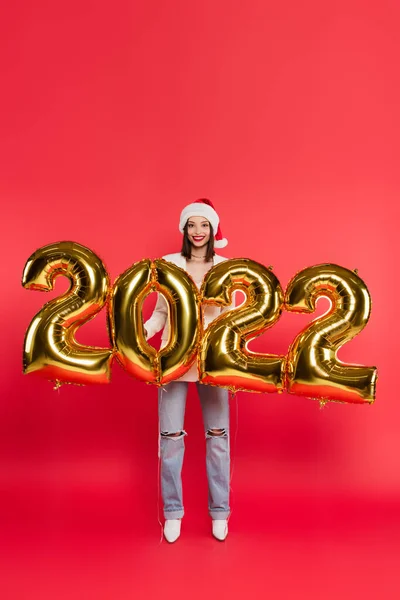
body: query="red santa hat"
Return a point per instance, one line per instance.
(204, 208)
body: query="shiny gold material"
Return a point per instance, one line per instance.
(225, 359)
(51, 349)
(183, 297)
(140, 359)
(137, 357)
(313, 368)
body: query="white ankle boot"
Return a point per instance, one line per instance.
(172, 529)
(220, 529)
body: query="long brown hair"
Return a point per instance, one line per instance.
(187, 246)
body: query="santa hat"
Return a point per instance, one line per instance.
(204, 208)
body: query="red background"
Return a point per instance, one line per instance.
(113, 117)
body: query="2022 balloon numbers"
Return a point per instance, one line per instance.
(310, 368)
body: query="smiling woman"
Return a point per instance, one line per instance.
(198, 247)
(199, 224)
(201, 233)
(197, 230)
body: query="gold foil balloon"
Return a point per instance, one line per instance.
(51, 349)
(225, 359)
(140, 359)
(182, 296)
(137, 357)
(313, 368)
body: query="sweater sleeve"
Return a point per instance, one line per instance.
(158, 318)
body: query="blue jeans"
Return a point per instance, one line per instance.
(171, 410)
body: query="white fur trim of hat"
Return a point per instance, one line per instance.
(204, 208)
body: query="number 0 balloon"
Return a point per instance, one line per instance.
(140, 359)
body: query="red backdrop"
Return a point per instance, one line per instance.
(115, 115)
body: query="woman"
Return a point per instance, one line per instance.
(199, 224)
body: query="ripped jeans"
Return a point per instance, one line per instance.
(171, 410)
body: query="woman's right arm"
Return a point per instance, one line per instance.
(158, 318)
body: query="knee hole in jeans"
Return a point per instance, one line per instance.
(172, 435)
(216, 433)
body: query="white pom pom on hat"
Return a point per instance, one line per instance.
(204, 208)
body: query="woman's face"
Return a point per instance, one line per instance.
(198, 231)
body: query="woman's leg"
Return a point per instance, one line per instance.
(171, 413)
(215, 407)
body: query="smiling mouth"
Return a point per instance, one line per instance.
(198, 238)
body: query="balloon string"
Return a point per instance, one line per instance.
(234, 396)
(162, 389)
